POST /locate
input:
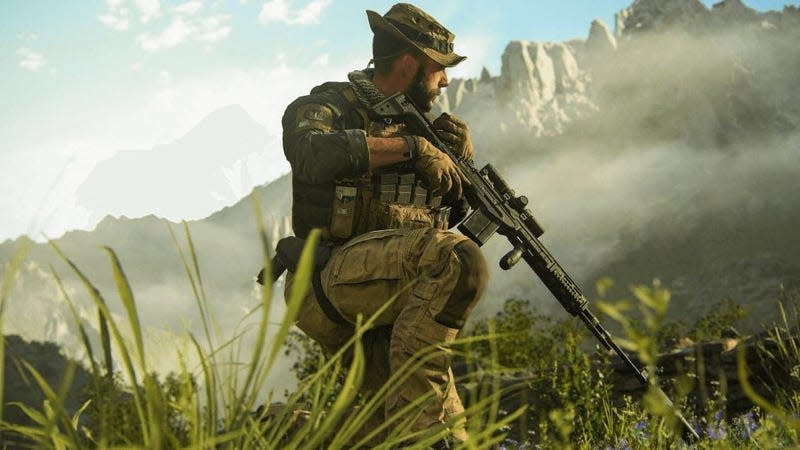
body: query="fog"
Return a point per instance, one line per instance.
(686, 171)
(665, 211)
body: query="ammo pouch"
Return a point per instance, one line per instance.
(386, 200)
(287, 257)
(387, 215)
(347, 206)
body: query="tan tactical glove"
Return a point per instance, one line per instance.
(440, 173)
(455, 133)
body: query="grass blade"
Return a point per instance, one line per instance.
(126, 295)
(105, 313)
(9, 276)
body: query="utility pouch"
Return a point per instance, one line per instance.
(343, 216)
(289, 249)
(287, 257)
(387, 215)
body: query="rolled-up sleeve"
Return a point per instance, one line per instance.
(317, 149)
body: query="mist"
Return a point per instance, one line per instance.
(665, 211)
(679, 162)
(686, 172)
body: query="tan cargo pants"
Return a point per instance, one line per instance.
(371, 269)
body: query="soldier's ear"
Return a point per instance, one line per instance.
(408, 66)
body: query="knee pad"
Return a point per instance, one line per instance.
(472, 279)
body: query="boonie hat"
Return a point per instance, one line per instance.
(411, 24)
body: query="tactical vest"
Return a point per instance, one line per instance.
(388, 197)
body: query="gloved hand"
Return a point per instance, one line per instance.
(455, 133)
(440, 173)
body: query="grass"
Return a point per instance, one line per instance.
(569, 382)
(216, 405)
(528, 380)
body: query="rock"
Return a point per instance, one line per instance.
(698, 85)
(730, 11)
(654, 14)
(600, 39)
(486, 77)
(541, 88)
(542, 85)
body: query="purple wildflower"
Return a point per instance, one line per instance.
(747, 425)
(622, 445)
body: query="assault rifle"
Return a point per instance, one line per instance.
(495, 208)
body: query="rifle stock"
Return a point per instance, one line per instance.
(495, 208)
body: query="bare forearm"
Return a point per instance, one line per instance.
(387, 150)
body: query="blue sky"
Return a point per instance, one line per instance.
(83, 80)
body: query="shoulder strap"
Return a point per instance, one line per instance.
(349, 94)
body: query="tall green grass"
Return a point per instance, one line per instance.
(10, 271)
(216, 404)
(569, 383)
(559, 387)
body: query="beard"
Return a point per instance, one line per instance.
(419, 93)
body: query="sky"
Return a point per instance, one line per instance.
(83, 81)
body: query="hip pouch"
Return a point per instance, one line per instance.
(389, 200)
(387, 215)
(287, 256)
(401, 201)
(345, 212)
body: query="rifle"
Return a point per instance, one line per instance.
(495, 208)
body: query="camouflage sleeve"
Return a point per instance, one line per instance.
(318, 149)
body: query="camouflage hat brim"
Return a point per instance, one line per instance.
(379, 23)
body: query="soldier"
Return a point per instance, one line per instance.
(384, 198)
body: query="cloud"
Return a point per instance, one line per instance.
(175, 34)
(189, 8)
(183, 29)
(322, 60)
(280, 11)
(148, 9)
(144, 119)
(164, 78)
(476, 48)
(117, 21)
(117, 17)
(184, 23)
(212, 29)
(31, 60)
(27, 36)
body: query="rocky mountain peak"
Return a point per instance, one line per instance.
(485, 75)
(541, 88)
(649, 14)
(733, 11)
(600, 39)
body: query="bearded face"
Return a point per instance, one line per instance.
(419, 92)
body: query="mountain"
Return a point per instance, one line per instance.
(666, 149)
(672, 70)
(216, 160)
(228, 251)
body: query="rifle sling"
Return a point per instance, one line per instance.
(287, 255)
(325, 303)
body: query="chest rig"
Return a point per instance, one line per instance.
(387, 197)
